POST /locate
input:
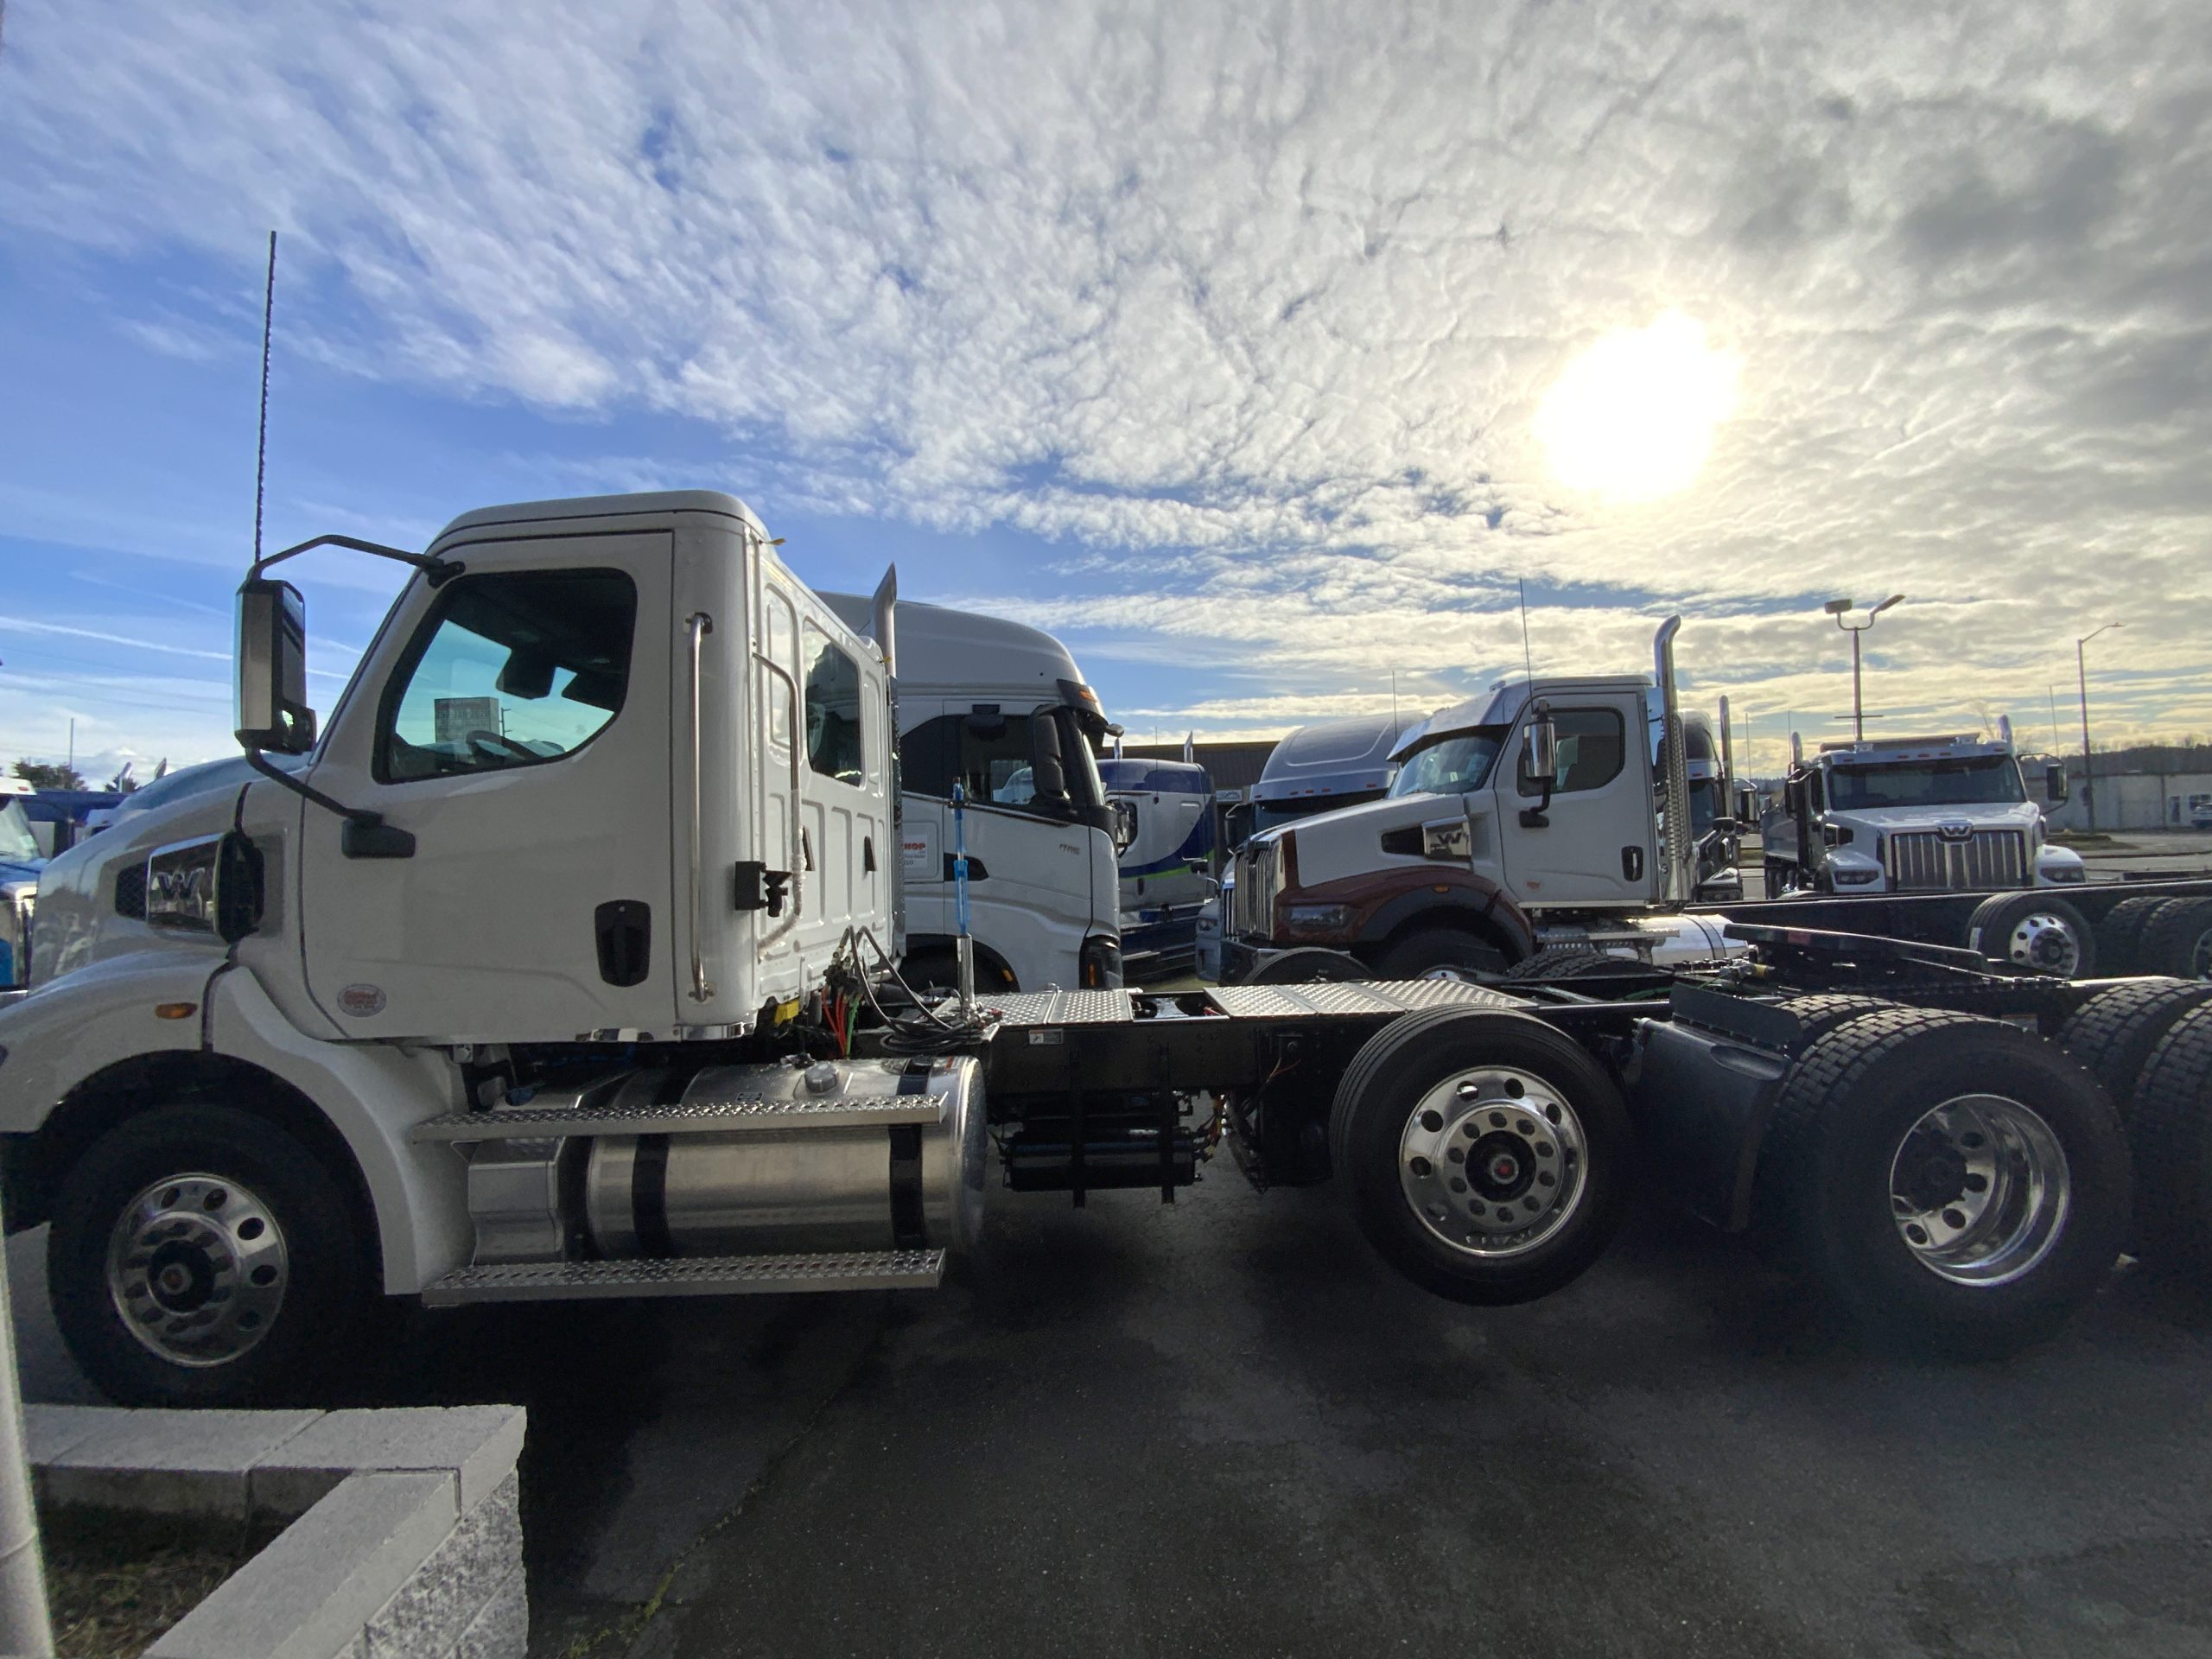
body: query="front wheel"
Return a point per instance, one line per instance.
(202, 1255)
(1958, 1185)
(1485, 1154)
(1443, 953)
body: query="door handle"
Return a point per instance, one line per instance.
(624, 930)
(1632, 863)
(698, 626)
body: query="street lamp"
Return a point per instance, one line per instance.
(2081, 678)
(1839, 608)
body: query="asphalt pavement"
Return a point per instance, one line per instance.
(1222, 1428)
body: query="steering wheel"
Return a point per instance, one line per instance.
(499, 743)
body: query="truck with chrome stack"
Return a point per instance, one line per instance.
(560, 962)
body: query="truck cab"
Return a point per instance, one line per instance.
(1526, 820)
(1941, 814)
(990, 706)
(1314, 769)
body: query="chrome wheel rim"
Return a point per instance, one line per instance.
(1493, 1162)
(197, 1269)
(2200, 956)
(2047, 943)
(1980, 1190)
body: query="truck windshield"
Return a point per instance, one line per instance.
(1984, 779)
(1449, 766)
(18, 845)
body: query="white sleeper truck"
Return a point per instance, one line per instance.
(992, 706)
(557, 963)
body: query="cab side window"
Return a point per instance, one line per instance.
(509, 669)
(1592, 744)
(833, 709)
(987, 753)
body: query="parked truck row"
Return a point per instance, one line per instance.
(561, 960)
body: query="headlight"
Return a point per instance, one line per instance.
(1317, 921)
(1853, 869)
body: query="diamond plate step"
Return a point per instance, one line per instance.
(697, 1276)
(692, 1117)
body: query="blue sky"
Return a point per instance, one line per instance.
(1213, 337)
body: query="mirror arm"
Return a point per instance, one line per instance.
(440, 571)
(1537, 816)
(363, 826)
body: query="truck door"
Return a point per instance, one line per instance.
(841, 814)
(512, 730)
(1597, 841)
(1033, 887)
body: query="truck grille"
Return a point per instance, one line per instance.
(16, 918)
(1255, 892)
(1925, 861)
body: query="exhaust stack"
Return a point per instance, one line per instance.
(1675, 775)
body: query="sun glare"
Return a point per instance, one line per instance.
(1631, 419)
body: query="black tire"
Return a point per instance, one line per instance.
(1375, 1108)
(1575, 962)
(327, 1283)
(1308, 965)
(1442, 953)
(2172, 1130)
(2177, 939)
(1848, 1114)
(1822, 1012)
(2036, 930)
(2113, 1033)
(2120, 935)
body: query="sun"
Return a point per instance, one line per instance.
(1631, 419)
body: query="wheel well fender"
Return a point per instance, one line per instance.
(371, 1095)
(1491, 920)
(988, 961)
(38, 1162)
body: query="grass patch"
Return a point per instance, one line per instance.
(115, 1582)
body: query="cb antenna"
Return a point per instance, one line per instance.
(1527, 663)
(261, 443)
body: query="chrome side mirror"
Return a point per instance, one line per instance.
(1540, 746)
(271, 683)
(2054, 785)
(1125, 823)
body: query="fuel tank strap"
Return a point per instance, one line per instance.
(691, 1117)
(906, 1224)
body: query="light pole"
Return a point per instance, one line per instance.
(1839, 608)
(2082, 679)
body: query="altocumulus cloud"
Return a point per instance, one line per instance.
(1252, 305)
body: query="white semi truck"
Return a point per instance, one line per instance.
(982, 701)
(557, 967)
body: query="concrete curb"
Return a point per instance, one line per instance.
(406, 1535)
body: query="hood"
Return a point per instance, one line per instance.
(12, 872)
(1993, 815)
(1348, 841)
